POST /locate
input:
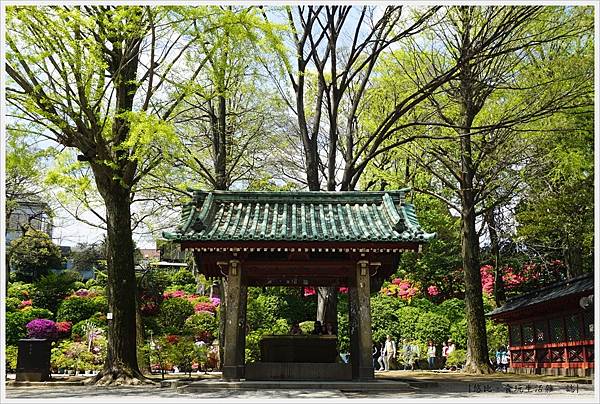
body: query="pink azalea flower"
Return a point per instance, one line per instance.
(433, 290)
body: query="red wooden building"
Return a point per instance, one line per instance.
(551, 330)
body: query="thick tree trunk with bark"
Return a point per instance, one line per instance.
(477, 352)
(499, 291)
(573, 257)
(121, 366)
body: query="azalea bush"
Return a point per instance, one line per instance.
(42, 328)
(203, 324)
(173, 313)
(183, 277)
(12, 304)
(19, 290)
(63, 329)
(76, 308)
(16, 322)
(401, 288)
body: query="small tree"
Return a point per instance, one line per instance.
(33, 255)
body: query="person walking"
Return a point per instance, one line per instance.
(431, 354)
(390, 352)
(380, 360)
(375, 355)
(504, 360)
(444, 354)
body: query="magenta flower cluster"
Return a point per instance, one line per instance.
(42, 328)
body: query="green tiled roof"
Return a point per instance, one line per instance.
(299, 216)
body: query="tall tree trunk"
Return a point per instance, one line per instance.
(121, 366)
(573, 257)
(477, 352)
(499, 291)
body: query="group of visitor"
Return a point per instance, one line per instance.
(502, 359)
(407, 355)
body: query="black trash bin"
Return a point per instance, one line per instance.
(33, 360)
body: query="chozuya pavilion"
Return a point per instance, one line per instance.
(351, 239)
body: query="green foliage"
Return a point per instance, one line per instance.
(263, 310)
(151, 325)
(76, 309)
(12, 304)
(384, 315)
(432, 326)
(457, 358)
(16, 322)
(183, 277)
(11, 352)
(408, 318)
(497, 336)
(458, 332)
(184, 353)
(278, 327)
(296, 307)
(97, 321)
(453, 309)
(33, 255)
(73, 355)
(51, 289)
(173, 313)
(19, 290)
(202, 324)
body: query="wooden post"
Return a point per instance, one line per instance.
(242, 329)
(233, 365)
(361, 338)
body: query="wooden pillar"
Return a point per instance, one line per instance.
(361, 338)
(242, 329)
(233, 362)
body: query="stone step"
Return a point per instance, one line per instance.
(207, 385)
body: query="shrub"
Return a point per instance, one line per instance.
(79, 285)
(11, 357)
(458, 332)
(16, 323)
(457, 358)
(42, 328)
(183, 277)
(406, 327)
(497, 336)
(453, 309)
(263, 310)
(72, 355)
(173, 313)
(12, 304)
(432, 326)
(98, 320)
(384, 318)
(76, 309)
(19, 290)
(51, 289)
(64, 329)
(203, 324)
(205, 306)
(184, 353)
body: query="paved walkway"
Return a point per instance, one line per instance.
(429, 386)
